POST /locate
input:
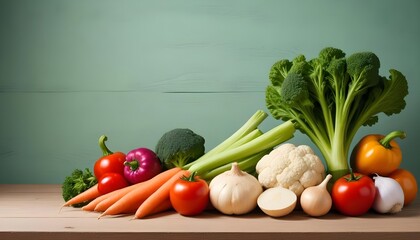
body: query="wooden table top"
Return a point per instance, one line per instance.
(34, 212)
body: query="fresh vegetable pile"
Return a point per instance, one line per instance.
(182, 156)
(328, 98)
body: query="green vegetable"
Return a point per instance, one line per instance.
(330, 97)
(246, 165)
(179, 147)
(76, 183)
(248, 131)
(246, 147)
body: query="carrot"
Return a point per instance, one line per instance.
(110, 199)
(87, 195)
(164, 206)
(92, 205)
(134, 198)
(104, 204)
(101, 203)
(158, 197)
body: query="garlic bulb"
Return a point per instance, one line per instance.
(234, 191)
(389, 195)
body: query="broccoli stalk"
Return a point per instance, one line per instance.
(330, 97)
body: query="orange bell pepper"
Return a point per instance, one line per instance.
(377, 154)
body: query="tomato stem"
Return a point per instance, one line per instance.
(386, 141)
(104, 148)
(352, 177)
(191, 178)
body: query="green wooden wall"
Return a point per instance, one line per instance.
(72, 70)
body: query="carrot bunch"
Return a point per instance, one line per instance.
(142, 199)
(246, 147)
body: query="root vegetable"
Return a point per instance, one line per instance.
(277, 202)
(316, 201)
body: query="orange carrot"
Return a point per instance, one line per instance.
(158, 197)
(134, 198)
(164, 206)
(101, 203)
(104, 204)
(92, 205)
(87, 195)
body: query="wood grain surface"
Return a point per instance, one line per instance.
(71, 71)
(34, 211)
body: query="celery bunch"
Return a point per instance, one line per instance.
(246, 147)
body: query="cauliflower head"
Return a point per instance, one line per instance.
(292, 167)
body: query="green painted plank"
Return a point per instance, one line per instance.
(45, 135)
(188, 45)
(73, 70)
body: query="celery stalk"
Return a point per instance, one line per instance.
(247, 165)
(252, 135)
(268, 140)
(253, 122)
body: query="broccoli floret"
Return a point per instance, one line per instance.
(337, 78)
(294, 90)
(329, 53)
(178, 147)
(363, 69)
(300, 66)
(76, 183)
(337, 68)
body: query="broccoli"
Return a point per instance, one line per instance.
(295, 90)
(178, 147)
(76, 183)
(339, 96)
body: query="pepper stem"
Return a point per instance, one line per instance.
(134, 165)
(386, 141)
(104, 148)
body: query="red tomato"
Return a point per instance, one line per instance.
(189, 196)
(113, 163)
(110, 182)
(353, 194)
